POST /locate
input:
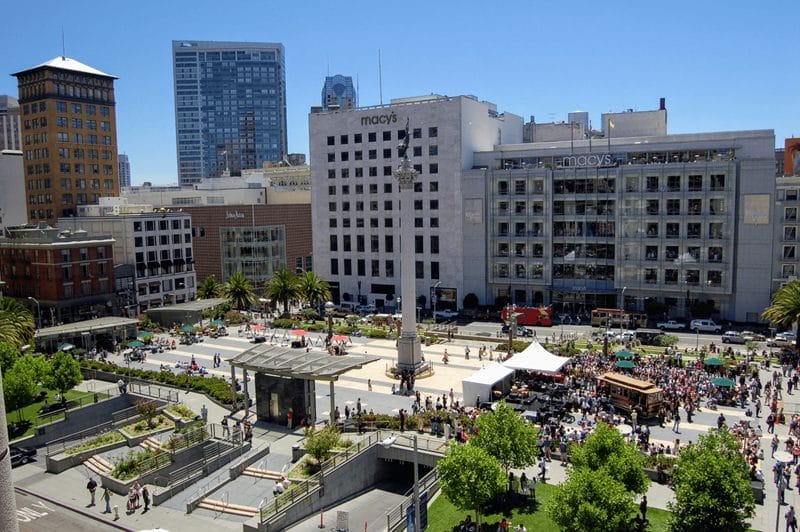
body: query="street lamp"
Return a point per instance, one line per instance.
(435, 288)
(329, 308)
(38, 311)
(623, 317)
(388, 442)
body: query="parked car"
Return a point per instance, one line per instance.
(21, 455)
(705, 326)
(733, 337)
(521, 330)
(671, 325)
(782, 340)
(446, 314)
(750, 336)
(367, 309)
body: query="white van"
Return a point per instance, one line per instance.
(347, 306)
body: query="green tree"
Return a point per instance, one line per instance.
(785, 308)
(712, 486)
(470, 477)
(591, 500)
(313, 289)
(320, 442)
(64, 373)
(282, 287)
(16, 323)
(507, 437)
(8, 355)
(607, 449)
(147, 410)
(209, 288)
(238, 290)
(19, 385)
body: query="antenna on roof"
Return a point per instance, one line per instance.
(63, 46)
(328, 64)
(357, 91)
(380, 76)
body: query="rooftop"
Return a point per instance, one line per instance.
(67, 63)
(284, 361)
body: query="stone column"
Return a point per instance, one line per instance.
(8, 506)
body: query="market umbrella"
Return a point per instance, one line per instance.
(299, 332)
(188, 329)
(783, 456)
(217, 322)
(339, 338)
(625, 364)
(624, 429)
(257, 327)
(145, 334)
(135, 343)
(723, 382)
(624, 354)
(714, 362)
(66, 346)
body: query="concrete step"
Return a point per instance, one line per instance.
(151, 444)
(98, 464)
(228, 508)
(262, 473)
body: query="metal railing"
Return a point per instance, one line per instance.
(71, 440)
(396, 518)
(154, 391)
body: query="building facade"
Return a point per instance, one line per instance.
(10, 124)
(12, 185)
(355, 199)
(230, 107)
(124, 170)
(155, 244)
(69, 137)
(69, 273)
(338, 92)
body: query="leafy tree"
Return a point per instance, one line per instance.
(785, 308)
(320, 442)
(666, 340)
(309, 314)
(209, 288)
(16, 323)
(507, 437)
(471, 300)
(470, 477)
(607, 449)
(591, 500)
(712, 486)
(313, 289)
(282, 287)
(19, 385)
(147, 410)
(65, 373)
(238, 290)
(8, 355)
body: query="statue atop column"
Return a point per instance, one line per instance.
(402, 148)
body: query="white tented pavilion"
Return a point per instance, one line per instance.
(536, 358)
(479, 385)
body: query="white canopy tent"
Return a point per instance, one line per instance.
(480, 384)
(536, 358)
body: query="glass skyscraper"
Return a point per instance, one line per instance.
(230, 106)
(339, 90)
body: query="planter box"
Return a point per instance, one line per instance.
(133, 441)
(62, 461)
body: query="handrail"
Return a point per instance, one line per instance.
(396, 518)
(70, 440)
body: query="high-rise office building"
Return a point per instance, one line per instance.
(230, 107)
(124, 170)
(69, 137)
(339, 91)
(10, 125)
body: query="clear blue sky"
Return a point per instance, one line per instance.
(720, 65)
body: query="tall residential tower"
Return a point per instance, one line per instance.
(230, 107)
(69, 137)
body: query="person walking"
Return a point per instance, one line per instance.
(226, 431)
(92, 487)
(107, 499)
(369, 385)
(676, 422)
(402, 420)
(289, 418)
(146, 498)
(791, 519)
(643, 508)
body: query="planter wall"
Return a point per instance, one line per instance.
(133, 441)
(61, 462)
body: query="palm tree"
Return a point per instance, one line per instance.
(238, 291)
(16, 323)
(313, 289)
(282, 287)
(209, 288)
(785, 308)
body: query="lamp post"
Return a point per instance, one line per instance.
(388, 442)
(329, 307)
(435, 298)
(623, 317)
(38, 312)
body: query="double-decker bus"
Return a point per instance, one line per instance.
(617, 317)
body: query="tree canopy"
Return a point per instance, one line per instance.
(8, 355)
(238, 290)
(607, 449)
(470, 477)
(785, 308)
(65, 373)
(282, 287)
(20, 384)
(712, 486)
(16, 323)
(313, 289)
(507, 437)
(209, 288)
(592, 500)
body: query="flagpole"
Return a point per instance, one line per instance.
(609, 127)
(590, 136)
(571, 138)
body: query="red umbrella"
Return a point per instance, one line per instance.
(339, 338)
(257, 327)
(299, 332)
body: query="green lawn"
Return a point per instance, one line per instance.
(444, 517)
(28, 418)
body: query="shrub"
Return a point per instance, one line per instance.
(180, 409)
(284, 323)
(373, 332)
(234, 317)
(104, 439)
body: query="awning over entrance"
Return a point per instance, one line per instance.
(296, 363)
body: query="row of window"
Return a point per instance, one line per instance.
(374, 243)
(80, 199)
(603, 184)
(372, 136)
(80, 153)
(79, 138)
(358, 155)
(164, 254)
(375, 268)
(372, 171)
(77, 108)
(163, 225)
(673, 276)
(433, 186)
(80, 168)
(163, 240)
(77, 123)
(387, 205)
(374, 222)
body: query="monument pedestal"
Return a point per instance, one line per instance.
(409, 353)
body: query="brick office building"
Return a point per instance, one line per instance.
(69, 273)
(254, 239)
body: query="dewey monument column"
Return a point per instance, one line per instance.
(409, 352)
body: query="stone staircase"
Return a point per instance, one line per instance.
(151, 444)
(262, 473)
(227, 508)
(98, 464)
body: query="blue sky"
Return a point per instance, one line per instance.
(721, 66)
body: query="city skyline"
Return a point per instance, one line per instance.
(597, 59)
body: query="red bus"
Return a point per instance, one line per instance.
(540, 316)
